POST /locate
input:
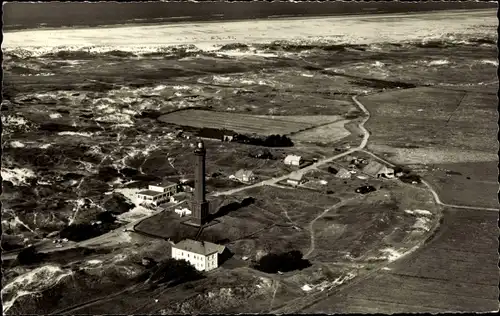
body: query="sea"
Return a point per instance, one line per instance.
(21, 16)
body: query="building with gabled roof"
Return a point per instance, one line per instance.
(244, 175)
(293, 160)
(295, 178)
(376, 169)
(203, 255)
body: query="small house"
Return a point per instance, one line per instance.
(202, 255)
(293, 160)
(372, 168)
(295, 179)
(183, 211)
(244, 175)
(376, 169)
(158, 193)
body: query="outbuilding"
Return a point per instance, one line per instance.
(293, 160)
(183, 211)
(295, 179)
(376, 169)
(244, 175)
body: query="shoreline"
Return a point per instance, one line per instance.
(367, 14)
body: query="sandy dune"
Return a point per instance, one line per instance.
(345, 29)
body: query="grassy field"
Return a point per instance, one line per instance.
(456, 271)
(473, 183)
(241, 123)
(433, 117)
(325, 134)
(442, 129)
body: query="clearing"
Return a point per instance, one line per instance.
(242, 123)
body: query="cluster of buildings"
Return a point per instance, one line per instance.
(203, 255)
(372, 168)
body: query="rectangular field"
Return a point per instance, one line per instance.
(244, 123)
(433, 117)
(468, 183)
(326, 134)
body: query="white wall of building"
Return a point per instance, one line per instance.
(156, 188)
(211, 262)
(200, 262)
(293, 160)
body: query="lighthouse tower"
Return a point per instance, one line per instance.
(200, 205)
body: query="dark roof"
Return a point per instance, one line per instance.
(150, 193)
(200, 247)
(165, 183)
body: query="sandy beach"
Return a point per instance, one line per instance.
(344, 29)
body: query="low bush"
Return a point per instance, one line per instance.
(29, 256)
(174, 272)
(284, 262)
(410, 178)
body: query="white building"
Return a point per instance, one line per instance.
(158, 194)
(244, 175)
(293, 160)
(202, 255)
(183, 211)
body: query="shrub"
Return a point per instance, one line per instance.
(174, 272)
(409, 178)
(29, 256)
(332, 170)
(284, 262)
(79, 232)
(118, 204)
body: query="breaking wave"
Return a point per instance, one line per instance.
(91, 52)
(181, 51)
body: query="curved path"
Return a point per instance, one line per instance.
(434, 193)
(320, 302)
(311, 228)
